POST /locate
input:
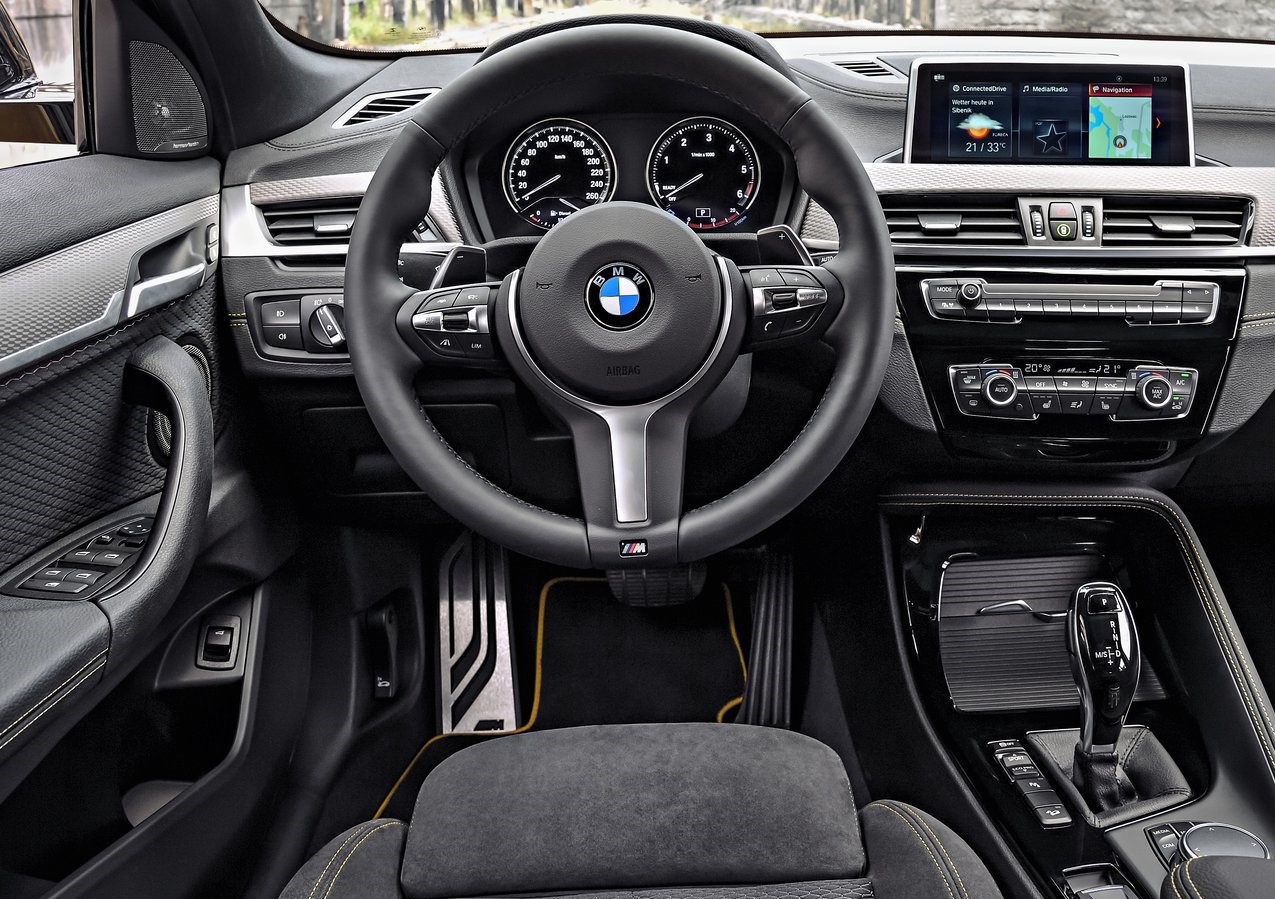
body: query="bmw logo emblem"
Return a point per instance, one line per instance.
(619, 296)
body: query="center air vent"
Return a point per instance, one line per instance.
(868, 67)
(928, 219)
(381, 106)
(312, 222)
(1174, 221)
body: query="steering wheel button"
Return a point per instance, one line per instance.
(781, 299)
(444, 343)
(437, 301)
(765, 277)
(796, 278)
(455, 320)
(476, 346)
(799, 320)
(473, 296)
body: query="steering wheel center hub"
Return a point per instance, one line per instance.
(620, 303)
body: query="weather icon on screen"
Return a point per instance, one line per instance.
(978, 125)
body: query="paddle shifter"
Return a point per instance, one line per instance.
(1103, 644)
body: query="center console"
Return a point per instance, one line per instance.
(1083, 363)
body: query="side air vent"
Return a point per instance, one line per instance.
(869, 67)
(311, 222)
(958, 220)
(1174, 221)
(382, 106)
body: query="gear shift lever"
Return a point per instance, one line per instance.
(1102, 641)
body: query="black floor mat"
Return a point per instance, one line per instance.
(600, 662)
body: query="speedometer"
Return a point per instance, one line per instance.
(704, 171)
(557, 167)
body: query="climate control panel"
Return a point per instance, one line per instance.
(1119, 391)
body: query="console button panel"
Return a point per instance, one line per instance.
(1166, 302)
(1145, 393)
(1037, 794)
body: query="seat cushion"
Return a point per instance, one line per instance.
(629, 807)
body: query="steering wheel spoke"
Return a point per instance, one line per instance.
(452, 325)
(790, 304)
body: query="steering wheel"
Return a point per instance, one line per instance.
(622, 321)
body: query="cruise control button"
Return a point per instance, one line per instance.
(437, 301)
(444, 343)
(1045, 403)
(473, 296)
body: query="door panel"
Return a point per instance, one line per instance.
(124, 238)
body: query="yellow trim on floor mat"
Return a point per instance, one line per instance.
(535, 700)
(535, 696)
(739, 649)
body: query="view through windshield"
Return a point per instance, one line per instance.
(400, 25)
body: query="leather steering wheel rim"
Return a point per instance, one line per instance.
(860, 333)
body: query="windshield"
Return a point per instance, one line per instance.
(397, 26)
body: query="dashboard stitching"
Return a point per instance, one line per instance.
(1230, 648)
(333, 141)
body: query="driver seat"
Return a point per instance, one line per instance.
(654, 811)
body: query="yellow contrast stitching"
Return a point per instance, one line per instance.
(366, 837)
(1186, 872)
(324, 873)
(726, 709)
(943, 849)
(52, 705)
(947, 883)
(1173, 882)
(51, 693)
(1252, 700)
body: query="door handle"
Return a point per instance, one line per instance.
(149, 293)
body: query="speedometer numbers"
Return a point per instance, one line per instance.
(555, 168)
(704, 171)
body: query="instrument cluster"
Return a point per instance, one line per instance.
(704, 170)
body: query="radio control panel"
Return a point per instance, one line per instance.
(1163, 303)
(1130, 393)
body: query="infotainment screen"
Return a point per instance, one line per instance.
(1048, 113)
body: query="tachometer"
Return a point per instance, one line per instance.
(557, 167)
(705, 172)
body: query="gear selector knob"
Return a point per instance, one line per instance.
(1102, 641)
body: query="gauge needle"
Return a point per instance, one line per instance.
(565, 202)
(540, 187)
(677, 190)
